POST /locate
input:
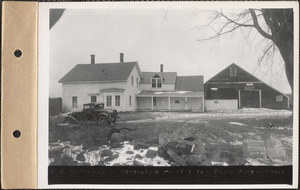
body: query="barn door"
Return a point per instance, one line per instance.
(249, 99)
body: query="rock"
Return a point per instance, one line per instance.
(101, 163)
(182, 141)
(138, 163)
(80, 157)
(275, 148)
(179, 147)
(155, 145)
(140, 145)
(138, 156)
(151, 153)
(194, 160)
(206, 163)
(106, 153)
(116, 137)
(175, 158)
(129, 152)
(162, 153)
(116, 145)
(164, 139)
(198, 148)
(111, 158)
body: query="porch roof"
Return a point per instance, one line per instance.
(145, 93)
(112, 90)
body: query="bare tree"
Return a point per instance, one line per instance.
(275, 25)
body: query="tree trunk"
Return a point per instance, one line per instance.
(281, 24)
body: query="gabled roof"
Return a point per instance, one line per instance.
(168, 77)
(241, 75)
(189, 83)
(103, 72)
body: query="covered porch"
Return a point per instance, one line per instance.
(170, 100)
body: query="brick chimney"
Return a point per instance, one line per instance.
(92, 59)
(161, 68)
(121, 57)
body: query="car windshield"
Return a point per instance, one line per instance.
(99, 106)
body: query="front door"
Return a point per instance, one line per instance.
(249, 99)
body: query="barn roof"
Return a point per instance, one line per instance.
(168, 77)
(189, 83)
(103, 72)
(241, 75)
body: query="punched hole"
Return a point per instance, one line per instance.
(18, 53)
(16, 133)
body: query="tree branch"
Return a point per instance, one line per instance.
(257, 26)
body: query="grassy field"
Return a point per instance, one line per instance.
(221, 133)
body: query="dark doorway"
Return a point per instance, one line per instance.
(249, 99)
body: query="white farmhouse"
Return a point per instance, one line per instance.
(122, 86)
(115, 84)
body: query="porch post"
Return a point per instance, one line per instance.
(185, 103)
(151, 102)
(169, 103)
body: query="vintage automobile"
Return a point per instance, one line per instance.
(95, 112)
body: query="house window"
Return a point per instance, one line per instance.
(232, 72)
(93, 98)
(153, 83)
(131, 80)
(279, 98)
(129, 100)
(108, 101)
(137, 82)
(74, 101)
(156, 81)
(117, 99)
(154, 101)
(177, 101)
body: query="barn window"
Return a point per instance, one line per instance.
(232, 72)
(74, 101)
(177, 101)
(117, 99)
(279, 98)
(93, 98)
(131, 80)
(108, 101)
(129, 100)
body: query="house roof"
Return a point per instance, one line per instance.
(147, 93)
(241, 75)
(168, 77)
(103, 72)
(189, 83)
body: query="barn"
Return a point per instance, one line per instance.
(234, 88)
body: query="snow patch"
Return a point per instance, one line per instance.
(237, 123)
(219, 163)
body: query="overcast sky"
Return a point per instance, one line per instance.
(154, 37)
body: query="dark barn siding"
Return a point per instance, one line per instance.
(268, 97)
(268, 94)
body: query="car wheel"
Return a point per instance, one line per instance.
(102, 120)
